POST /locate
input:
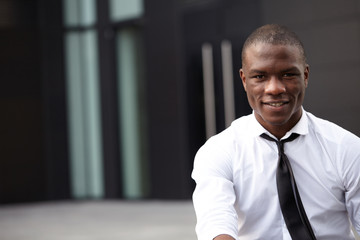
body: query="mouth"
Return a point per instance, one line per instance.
(276, 104)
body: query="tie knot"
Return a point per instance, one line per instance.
(292, 137)
(280, 143)
(289, 139)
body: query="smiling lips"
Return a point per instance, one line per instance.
(276, 104)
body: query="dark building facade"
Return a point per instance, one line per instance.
(103, 100)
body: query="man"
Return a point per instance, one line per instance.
(239, 193)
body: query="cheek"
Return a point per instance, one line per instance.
(255, 91)
(301, 96)
(253, 99)
(297, 90)
(302, 91)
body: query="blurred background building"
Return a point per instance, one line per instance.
(110, 99)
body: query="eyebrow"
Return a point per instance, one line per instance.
(255, 71)
(291, 69)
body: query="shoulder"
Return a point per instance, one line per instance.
(341, 146)
(238, 129)
(219, 150)
(330, 130)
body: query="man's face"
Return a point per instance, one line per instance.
(275, 78)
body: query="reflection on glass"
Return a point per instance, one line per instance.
(131, 129)
(84, 114)
(79, 12)
(125, 9)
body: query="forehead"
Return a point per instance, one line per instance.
(266, 53)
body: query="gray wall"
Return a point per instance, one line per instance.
(330, 30)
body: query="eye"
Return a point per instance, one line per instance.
(290, 75)
(259, 76)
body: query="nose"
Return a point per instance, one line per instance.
(274, 86)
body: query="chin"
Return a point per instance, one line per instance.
(276, 121)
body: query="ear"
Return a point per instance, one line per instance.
(243, 77)
(306, 74)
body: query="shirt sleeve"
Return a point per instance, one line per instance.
(351, 176)
(214, 195)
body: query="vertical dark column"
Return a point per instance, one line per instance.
(109, 102)
(22, 173)
(167, 139)
(54, 99)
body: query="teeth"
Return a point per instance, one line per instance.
(276, 104)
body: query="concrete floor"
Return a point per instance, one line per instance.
(98, 220)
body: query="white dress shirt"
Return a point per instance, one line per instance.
(235, 174)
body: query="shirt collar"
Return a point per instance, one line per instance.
(301, 127)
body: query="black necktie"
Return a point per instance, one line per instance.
(290, 202)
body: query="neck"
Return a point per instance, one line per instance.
(279, 130)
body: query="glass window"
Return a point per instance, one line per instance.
(131, 108)
(125, 9)
(83, 90)
(79, 12)
(84, 114)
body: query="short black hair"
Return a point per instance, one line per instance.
(274, 34)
